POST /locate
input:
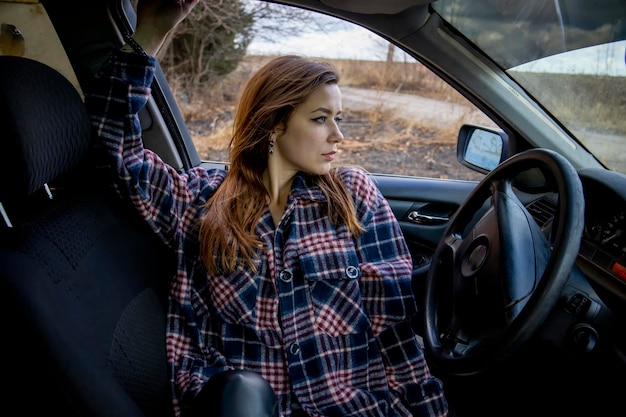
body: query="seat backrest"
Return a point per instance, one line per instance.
(83, 283)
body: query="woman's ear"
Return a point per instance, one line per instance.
(279, 129)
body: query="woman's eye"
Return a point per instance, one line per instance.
(322, 119)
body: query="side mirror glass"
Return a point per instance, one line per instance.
(481, 148)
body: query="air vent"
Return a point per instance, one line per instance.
(542, 211)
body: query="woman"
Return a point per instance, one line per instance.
(288, 269)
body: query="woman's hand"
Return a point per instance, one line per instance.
(156, 18)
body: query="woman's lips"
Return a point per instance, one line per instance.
(330, 156)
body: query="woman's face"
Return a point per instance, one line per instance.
(309, 143)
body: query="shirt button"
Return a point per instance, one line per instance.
(352, 272)
(294, 348)
(285, 275)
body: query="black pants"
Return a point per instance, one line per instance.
(235, 394)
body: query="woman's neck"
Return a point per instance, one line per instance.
(278, 188)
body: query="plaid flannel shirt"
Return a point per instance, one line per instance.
(326, 318)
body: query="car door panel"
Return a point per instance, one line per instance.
(423, 207)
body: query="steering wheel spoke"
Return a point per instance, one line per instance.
(495, 276)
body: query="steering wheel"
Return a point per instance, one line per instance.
(496, 273)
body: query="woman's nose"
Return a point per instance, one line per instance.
(336, 135)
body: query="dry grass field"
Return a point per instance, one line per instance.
(375, 139)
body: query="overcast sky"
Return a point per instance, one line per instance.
(336, 39)
(608, 59)
(345, 41)
(357, 43)
(339, 44)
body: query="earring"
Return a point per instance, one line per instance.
(272, 145)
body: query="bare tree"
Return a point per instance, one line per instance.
(273, 21)
(208, 44)
(213, 39)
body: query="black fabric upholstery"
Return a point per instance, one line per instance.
(83, 283)
(44, 125)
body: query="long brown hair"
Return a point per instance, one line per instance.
(270, 96)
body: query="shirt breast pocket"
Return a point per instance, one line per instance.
(332, 276)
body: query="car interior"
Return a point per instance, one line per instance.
(84, 283)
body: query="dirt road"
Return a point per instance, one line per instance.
(447, 115)
(426, 110)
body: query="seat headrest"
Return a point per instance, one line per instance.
(45, 128)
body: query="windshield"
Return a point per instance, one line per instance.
(570, 55)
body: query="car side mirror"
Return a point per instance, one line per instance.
(481, 148)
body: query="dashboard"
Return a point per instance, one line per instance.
(603, 243)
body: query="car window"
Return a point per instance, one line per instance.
(568, 55)
(26, 30)
(600, 126)
(399, 118)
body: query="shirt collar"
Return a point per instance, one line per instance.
(304, 187)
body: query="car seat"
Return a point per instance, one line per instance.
(83, 284)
